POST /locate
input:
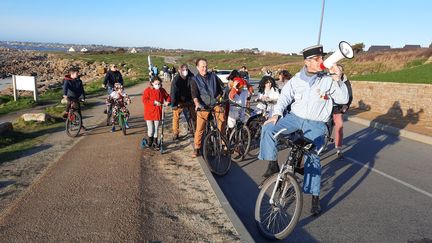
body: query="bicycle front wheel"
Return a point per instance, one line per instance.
(216, 153)
(240, 140)
(73, 124)
(276, 219)
(122, 123)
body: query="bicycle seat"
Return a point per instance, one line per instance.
(297, 139)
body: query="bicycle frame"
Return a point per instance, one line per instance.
(295, 155)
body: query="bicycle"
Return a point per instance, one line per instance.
(216, 150)
(255, 124)
(121, 118)
(240, 137)
(73, 119)
(280, 200)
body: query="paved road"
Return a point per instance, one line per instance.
(380, 192)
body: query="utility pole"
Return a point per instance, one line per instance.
(322, 17)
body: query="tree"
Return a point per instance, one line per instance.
(358, 47)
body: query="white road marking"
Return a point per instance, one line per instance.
(390, 177)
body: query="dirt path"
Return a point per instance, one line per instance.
(107, 189)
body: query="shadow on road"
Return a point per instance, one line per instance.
(242, 191)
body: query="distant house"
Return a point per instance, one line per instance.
(379, 48)
(84, 50)
(71, 49)
(133, 50)
(411, 47)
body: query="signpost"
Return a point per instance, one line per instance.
(27, 83)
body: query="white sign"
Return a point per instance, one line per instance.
(27, 83)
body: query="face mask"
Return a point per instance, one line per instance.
(156, 86)
(185, 73)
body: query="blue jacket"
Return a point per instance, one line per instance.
(73, 88)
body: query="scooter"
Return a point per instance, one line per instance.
(161, 147)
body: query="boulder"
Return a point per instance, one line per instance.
(40, 117)
(101, 70)
(5, 127)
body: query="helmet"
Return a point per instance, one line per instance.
(118, 86)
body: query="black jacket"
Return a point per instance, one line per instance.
(181, 89)
(113, 77)
(73, 88)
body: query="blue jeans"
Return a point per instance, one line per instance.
(109, 90)
(313, 130)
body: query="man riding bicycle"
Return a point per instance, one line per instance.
(73, 90)
(313, 93)
(207, 89)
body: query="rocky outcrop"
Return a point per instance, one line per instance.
(49, 69)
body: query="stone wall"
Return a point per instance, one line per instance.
(394, 99)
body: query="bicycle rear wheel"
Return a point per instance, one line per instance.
(240, 139)
(255, 130)
(216, 153)
(73, 124)
(277, 219)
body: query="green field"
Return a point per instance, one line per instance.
(417, 74)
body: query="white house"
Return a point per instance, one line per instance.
(133, 50)
(84, 50)
(71, 49)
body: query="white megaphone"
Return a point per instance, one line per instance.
(345, 51)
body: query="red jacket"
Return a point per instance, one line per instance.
(150, 95)
(237, 90)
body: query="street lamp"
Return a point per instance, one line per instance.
(322, 17)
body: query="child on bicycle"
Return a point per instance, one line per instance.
(268, 92)
(153, 98)
(73, 91)
(118, 100)
(239, 90)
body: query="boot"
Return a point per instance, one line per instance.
(150, 143)
(316, 208)
(156, 144)
(273, 167)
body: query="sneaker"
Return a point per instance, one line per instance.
(272, 168)
(339, 154)
(195, 153)
(113, 129)
(127, 125)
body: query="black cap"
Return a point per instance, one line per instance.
(316, 50)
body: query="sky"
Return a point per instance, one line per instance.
(271, 25)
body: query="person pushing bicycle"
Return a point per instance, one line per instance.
(206, 89)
